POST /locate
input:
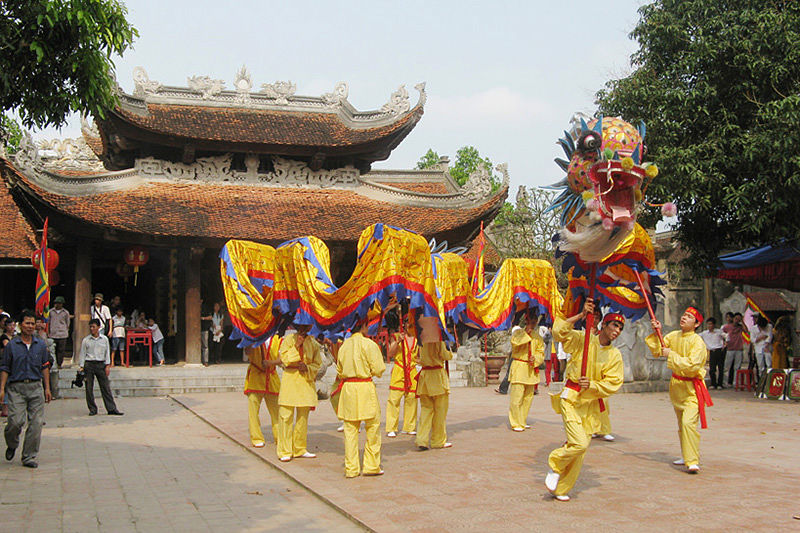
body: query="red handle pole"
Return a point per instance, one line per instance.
(649, 306)
(589, 320)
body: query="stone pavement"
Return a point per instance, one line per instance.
(492, 478)
(158, 468)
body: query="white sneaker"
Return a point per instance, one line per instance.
(527, 426)
(609, 437)
(517, 429)
(391, 434)
(447, 445)
(551, 481)
(562, 498)
(307, 455)
(412, 432)
(678, 462)
(693, 469)
(595, 435)
(340, 428)
(286, 459)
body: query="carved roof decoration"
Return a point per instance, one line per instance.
(205, 118)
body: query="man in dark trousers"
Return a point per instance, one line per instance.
(24, 368)
(94, 359)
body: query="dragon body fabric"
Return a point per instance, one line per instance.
(600, 197)
(266, 287)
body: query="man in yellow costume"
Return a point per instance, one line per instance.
(602, 426)
(403, 385)
(301, 359)
(686, 355)
(262, 384)
(582, 398)
(433, 390)
(527, 354)
(360, 359)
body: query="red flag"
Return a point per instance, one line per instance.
(478, 283)
(43, 279)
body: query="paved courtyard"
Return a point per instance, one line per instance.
(186, 462)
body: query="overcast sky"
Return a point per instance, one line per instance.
(503, 76)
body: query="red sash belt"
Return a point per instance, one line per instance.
(350, 380)
(703, 397)
(527, 361)
(432, 367)
(577, 388)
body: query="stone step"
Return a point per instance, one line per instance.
(150, 391)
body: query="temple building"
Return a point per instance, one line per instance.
(177, 171)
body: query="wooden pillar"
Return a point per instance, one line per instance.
(192, 307)
(83, 297)
(708, 298)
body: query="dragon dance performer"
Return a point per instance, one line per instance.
(582, 397)
(262, 383)
(336, 386)
(360, 359)
(403, 385)
(686, 355)
(527, 354)
(301, 360)
(433, 391)
(603, 423)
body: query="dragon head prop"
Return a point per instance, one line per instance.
(602, 190)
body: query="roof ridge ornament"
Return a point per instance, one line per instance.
(142, 84)
(205, 85)
(479, 183)
(423, 96)
(280, 91)
(243, 83)
(338, 96)
(398, 102)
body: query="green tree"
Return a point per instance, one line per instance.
(10, 134)
(468, 160)
(55, 57)
(718, 85)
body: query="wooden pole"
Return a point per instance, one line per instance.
(649, 306)
(589, 320)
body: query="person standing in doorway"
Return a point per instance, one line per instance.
(118, 335)
(59, 328)
(217, 334)
(158, 341)
(94, 358)
(101, 313)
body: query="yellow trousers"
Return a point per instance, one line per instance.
(292, 434)
(684, 401)
(605, 419)
(335, 403)
(433, 420)
(393, 411)
(568, 459)
(372, 448)
(254, 400)
(519, 404)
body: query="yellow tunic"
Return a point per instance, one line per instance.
(527, 355)
(433, 379)
(256, 379)
(297, 388)
(580, 409)
(687, 358)
(360, 358)
(405, 361)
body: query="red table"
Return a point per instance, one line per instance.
(138, 337)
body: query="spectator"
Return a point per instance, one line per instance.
(3, 312)
(101, 313)
(217, 335)
(715, 342)
(141, 320)
(205, 327)
(134, 317)
(734, 346)
(9, 331)
(59, 328)
(41, 332)
(116, 303)
(782, 342)
(158, 341)
(761, 337)
(95, 359)
(25, 366)
(117, 335)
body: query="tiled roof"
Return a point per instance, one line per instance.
(254, 212)
(426, 187)
(491, 256)
(17, 238)
(259, 126)
(770, 301)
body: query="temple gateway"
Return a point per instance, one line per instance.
(175, 172)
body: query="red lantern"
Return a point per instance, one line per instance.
(136, 256)
(52, 259)
(55, 278)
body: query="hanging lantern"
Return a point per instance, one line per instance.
(54, 278)
(52, 259)
(136, 256)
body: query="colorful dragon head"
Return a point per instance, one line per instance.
(603, 187)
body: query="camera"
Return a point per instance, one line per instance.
(79, 377)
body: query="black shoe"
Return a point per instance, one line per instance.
(10, 453)
(31, 464)
(92, 413)
(118, 413)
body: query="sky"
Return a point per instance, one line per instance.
(503, 76)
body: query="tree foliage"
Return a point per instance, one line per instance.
(55, 57)
(10, 134)
(468, 160)
(718, 85)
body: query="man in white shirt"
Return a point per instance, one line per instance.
(101, 313)
(715, 342)
(761, 337)
(94, 358)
